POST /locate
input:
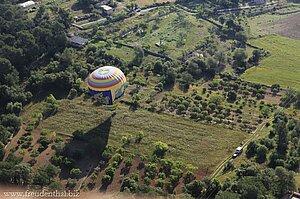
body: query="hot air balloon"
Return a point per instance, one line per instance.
(106, 84)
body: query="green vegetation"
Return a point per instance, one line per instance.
(184, 137)
(195, 91)
(281, 67)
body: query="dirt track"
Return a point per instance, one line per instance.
(289, 26)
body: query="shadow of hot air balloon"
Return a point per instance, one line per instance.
(106, 84)
(91, 146)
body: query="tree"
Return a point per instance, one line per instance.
(282, 141)
(241, 36)
(51, 106)
(85, 3)
(186, 80)
(15, 108)
(158, 67)
(71, 183)
(261, 153)
(66, 58)
(11, 122)
(285, 181)
(239, 57)
(22, 174)
(40, 14)
(275, 88)
(170, 77)
(251, 149)
(251, 187)
(216, 99)
(64, 17)
(139, 56)
(4, 135)
(195, 188)
(160, 148)
(8, 74)
(227, 195)
(94, 177)
(106, 179)
(130, 184)
(110, 171)
(139, 136)
(51, 170)
(265, 111)
(72, 94)
(256, 56)
(56, 185)
(75, 172)
(231, 96)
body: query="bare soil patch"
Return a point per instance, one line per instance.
(288, 27)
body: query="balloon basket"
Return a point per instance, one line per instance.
(110, 107)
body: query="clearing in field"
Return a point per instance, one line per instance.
(282, 67)
(172, 34)
(285, 25)
(192, 142)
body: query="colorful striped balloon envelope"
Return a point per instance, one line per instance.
(107, 84)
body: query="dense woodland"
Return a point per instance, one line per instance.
(35, 61)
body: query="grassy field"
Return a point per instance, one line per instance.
(170, 29)
(242, 159)
(191, 142)
(282, 67)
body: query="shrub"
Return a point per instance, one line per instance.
(174, 179)
(198, 97)
(147, 180)
(106, 179)
(139, 136)
(51, 106)
(72, 94)
(75, 172)
(228, 166)
(41, 149)
(15, 108)
(150, 170)
(117, 157)
(126, 140)
(44, 132)
(188, 177)
(161, 175)
(120, 151)
(130, 184)
(30, 127)
(181, 108)
(160, 148)
(44, 141)
(194, 115)
(110, 171)
(107, 153)
(128, 162)
(71, 183)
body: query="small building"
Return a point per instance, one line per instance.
(102, 2)
(27, 4)
(106, 9)
(158, 44)
(77, 41)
